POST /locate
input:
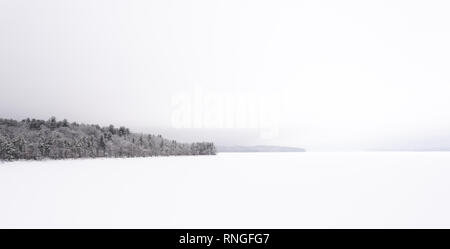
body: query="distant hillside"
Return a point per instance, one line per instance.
(38, 139)
(258, 148)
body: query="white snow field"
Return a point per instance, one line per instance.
(231, 190)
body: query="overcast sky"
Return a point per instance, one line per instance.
(323, 75)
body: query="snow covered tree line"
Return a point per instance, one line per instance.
(33, 139)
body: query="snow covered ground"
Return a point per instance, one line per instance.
(231, 190)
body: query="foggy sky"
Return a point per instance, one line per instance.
(322, 75)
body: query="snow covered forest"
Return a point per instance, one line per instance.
(33, 139)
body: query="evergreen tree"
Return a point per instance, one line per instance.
(37, 139)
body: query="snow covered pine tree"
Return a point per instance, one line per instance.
(37, 139)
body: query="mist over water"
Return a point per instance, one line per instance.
(315, 74)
